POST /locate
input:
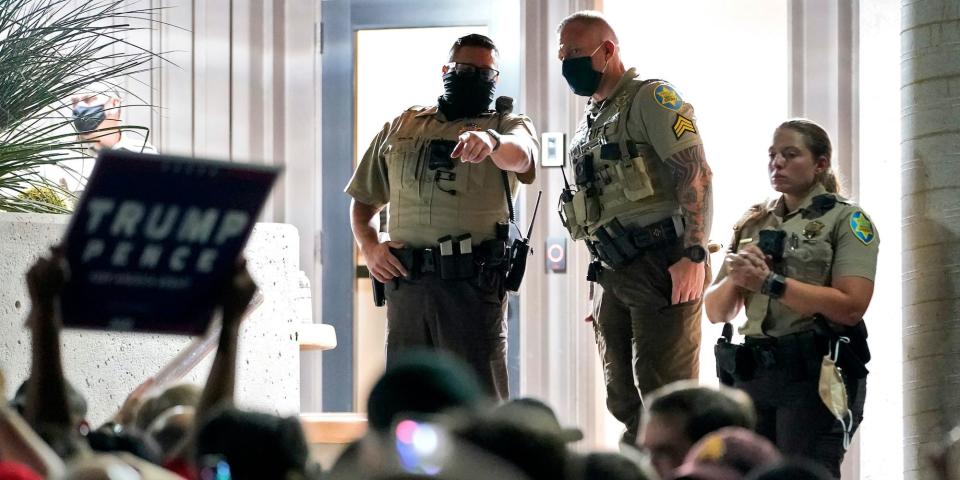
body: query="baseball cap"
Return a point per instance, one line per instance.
(727, 454)
(422, 382)
(537, 415)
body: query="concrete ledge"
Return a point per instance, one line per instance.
(105, 366)
(336, 428)
(317, 337)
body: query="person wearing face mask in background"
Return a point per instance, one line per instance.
(642, 203)
(96, 118)
(802, 266)
(446, 173)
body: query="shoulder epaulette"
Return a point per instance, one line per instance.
(754, 212)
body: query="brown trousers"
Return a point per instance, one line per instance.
(464, 317)
(643, 340)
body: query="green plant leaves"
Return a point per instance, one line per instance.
(51, 50)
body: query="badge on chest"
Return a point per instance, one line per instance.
(812, 229)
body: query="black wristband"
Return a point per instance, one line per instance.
(696, 253)
(774, 286)
(496, 138)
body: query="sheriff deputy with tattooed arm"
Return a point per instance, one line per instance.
(802, 265)
(447, 175)
(642, 203)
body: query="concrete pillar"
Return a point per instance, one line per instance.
(930, 103)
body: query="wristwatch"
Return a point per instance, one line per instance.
(774, 286)
(696, 253)
(495, 135)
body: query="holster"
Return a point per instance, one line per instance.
(734, 362)
(379, 293)
(854, 354)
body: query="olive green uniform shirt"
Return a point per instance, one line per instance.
(819, 246)
(422, 207)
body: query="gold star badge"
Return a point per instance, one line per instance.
(667, 96)
(812, 229)
(683, 125)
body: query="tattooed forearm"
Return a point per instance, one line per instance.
(693, 180)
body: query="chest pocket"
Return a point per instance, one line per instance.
(404, 163)
(457, 176)
(635, 179)
(809, 260)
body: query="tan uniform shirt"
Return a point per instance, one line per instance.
(659, 122)
(422, 205)
(819, 246)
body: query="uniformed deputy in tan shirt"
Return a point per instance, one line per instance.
(423, 205)
(443, 173)
(821, 244)
(803, 266)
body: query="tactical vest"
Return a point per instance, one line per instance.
(429, 200)
(617, 178)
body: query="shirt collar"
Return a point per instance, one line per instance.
(780, 207)
(627, 77)
(435, 111)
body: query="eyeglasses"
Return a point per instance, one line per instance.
(468, 69)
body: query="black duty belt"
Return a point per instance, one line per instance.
(617, 245)
(429, 261)
(655, 235)
(798, 355)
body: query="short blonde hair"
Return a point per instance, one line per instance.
(591, 19)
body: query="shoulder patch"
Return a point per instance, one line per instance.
(667, 97)
(683, 125)
(862, 227)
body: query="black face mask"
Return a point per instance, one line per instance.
(581, 76)
(87, 119)
(465, 95)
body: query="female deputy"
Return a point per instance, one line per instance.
(803, 266)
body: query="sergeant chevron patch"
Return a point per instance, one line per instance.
(683, 125)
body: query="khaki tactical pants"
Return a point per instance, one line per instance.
(464, 317)
(644, 341)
